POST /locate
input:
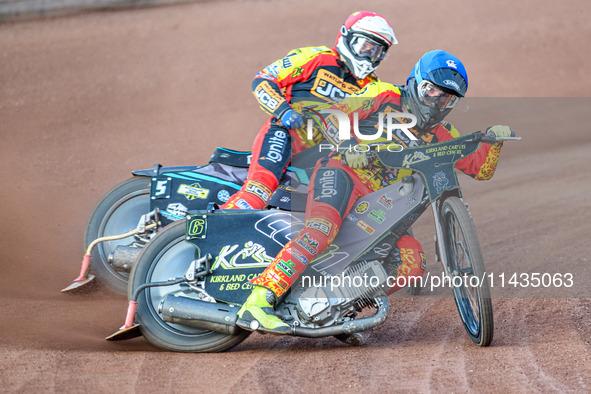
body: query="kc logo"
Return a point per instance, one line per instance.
(452, 64)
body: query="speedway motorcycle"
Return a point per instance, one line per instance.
(190, 280)
(131, 213)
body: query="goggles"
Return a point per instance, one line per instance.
(367, 48)
(431, 96)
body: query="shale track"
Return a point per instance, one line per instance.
(86, 98)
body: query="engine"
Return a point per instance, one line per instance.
(336, 297)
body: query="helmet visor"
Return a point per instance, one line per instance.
(433, 96)
(367, 48)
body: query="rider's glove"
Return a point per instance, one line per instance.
(355, 159)
(291, 119)
(499, 131)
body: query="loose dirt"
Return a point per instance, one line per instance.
(86, 99)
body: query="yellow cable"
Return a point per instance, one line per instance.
(116, 237)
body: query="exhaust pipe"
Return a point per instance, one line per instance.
(348, 328)
(199, 314)
(222, 318)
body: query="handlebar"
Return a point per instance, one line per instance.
(478, 137)
(491, 138)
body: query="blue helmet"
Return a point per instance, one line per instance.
(434, 86)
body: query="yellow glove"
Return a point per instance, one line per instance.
(355, 159)
(499, 131)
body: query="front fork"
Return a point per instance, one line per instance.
(439, 240)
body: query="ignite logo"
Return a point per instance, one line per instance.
(275, 146)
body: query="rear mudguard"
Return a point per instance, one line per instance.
(180, 189)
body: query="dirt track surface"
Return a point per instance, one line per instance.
(86, 99)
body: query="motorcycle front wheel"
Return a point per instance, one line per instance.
(116, 213)
(168, 256)
(468, 274)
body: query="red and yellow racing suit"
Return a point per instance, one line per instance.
(306, 76)
(335, 187)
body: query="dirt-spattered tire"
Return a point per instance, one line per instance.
(167, 256)
(464, 255)
(116, 213)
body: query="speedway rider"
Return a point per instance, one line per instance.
(434, 87)
(307, 75)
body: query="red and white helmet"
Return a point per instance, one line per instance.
(363, 41)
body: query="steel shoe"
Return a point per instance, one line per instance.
(258, 314)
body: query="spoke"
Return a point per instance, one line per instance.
(453, 236)
(474, 307)
(460, 242)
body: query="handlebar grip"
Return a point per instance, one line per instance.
(489, 139)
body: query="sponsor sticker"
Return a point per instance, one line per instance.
(297, 255)
(414, 158)
(327, 180)
(308, 243)
(378, 216)
(454, 84)
(275, 147)
(297, 72)
(193, 191)
(259, 189)
(386, 202)
(320, 224)
(175, 211)
(272, 69)
(249, 255)
(242, 204)
(264, 76)
(223, 195)
(269, 98)
(365, 227)
(286, 62)
(332, 86)
(362, 207)
(286, 267)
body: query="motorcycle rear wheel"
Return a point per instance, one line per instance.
(116, 213)
(464, 258)
(167, 256)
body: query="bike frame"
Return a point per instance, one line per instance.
(435, 176)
